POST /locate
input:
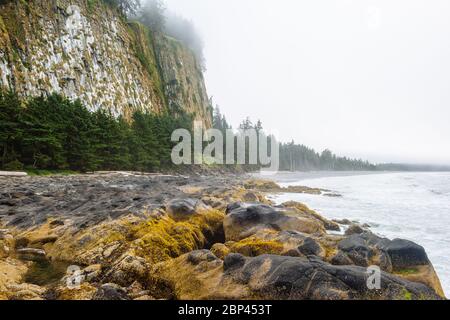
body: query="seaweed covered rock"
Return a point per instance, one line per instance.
(303, 210)
(220, 250)
(154, 238)
(271, 186)
(266, 241)
(401, 257)
(401, 253)
(201, 275)
(126, 270)
(244, 220)
(277, 277)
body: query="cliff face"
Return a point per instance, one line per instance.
(85, 50)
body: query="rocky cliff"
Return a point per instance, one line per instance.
(85, 50)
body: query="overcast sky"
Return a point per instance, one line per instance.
(366, 79)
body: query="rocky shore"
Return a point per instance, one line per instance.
(133, 237)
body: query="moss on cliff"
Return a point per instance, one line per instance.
(144, 49)
(85, 50)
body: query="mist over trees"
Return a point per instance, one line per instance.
(125, 7)
(154, 15)
(297, 157)
(184, 30)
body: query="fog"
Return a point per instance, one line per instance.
(366, 79)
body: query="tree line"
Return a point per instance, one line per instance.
(54, 133)
(297, 157)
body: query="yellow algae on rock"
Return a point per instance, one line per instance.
(422, 274)
(254, 246)
(161, 239)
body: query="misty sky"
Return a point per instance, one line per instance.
(366, 79)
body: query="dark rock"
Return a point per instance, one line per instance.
(293, 253)
(357, 250)
(354, 242)
(333, 195)
(111, 292)
(244, 220)
(341, 259)
(280, 277)
(233, 261)
(88, 200)
(196, 257)
(181, 208)
(8, 202)
(404, 254)
(44, 240)
(354, 229)
(310, 247)
(127, 269)
(234, 206)
(56, 223)
(21, 242)
(250, 197)
(397, 254)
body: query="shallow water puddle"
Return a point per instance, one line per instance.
(44, 272)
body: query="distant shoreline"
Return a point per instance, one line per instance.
(287, 176)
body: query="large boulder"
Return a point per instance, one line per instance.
(354, 229)
(126, 270)
(180, 209)
(402, 257)
(201, 275)
(266, 241)
(244, 220)
(277, 277)
(304, 211)
(404, 253)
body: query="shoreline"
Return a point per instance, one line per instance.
(289, 177)
(133, 237)
(408, 205)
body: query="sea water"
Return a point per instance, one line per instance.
(412, 206)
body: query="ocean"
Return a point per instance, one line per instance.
(413, 206)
